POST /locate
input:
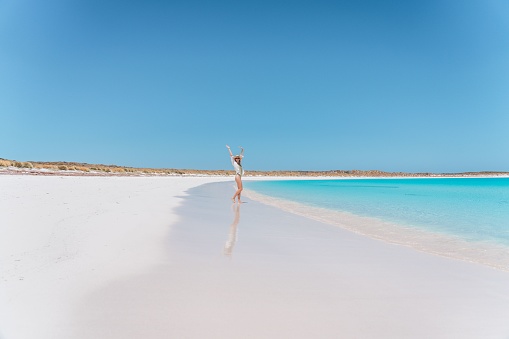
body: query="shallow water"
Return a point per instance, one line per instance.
(440, 215)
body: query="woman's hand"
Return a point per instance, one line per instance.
(227, 146)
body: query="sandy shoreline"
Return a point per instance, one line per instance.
(493, 255)
(168, 258)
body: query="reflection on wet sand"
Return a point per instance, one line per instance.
(232, 236)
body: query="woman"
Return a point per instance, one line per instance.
(239, 171)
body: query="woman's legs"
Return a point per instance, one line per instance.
(238, 180)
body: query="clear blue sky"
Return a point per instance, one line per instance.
(306, 85)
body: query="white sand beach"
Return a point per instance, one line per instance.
(64, 237)
(171, 257)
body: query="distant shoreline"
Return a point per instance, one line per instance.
(14, 167)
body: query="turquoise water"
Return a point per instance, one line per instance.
(473, 209)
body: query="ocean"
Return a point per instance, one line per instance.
(463, 218)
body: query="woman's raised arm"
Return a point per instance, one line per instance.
(229, 150)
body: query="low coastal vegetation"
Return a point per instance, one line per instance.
(17, 164)
(75, 168)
